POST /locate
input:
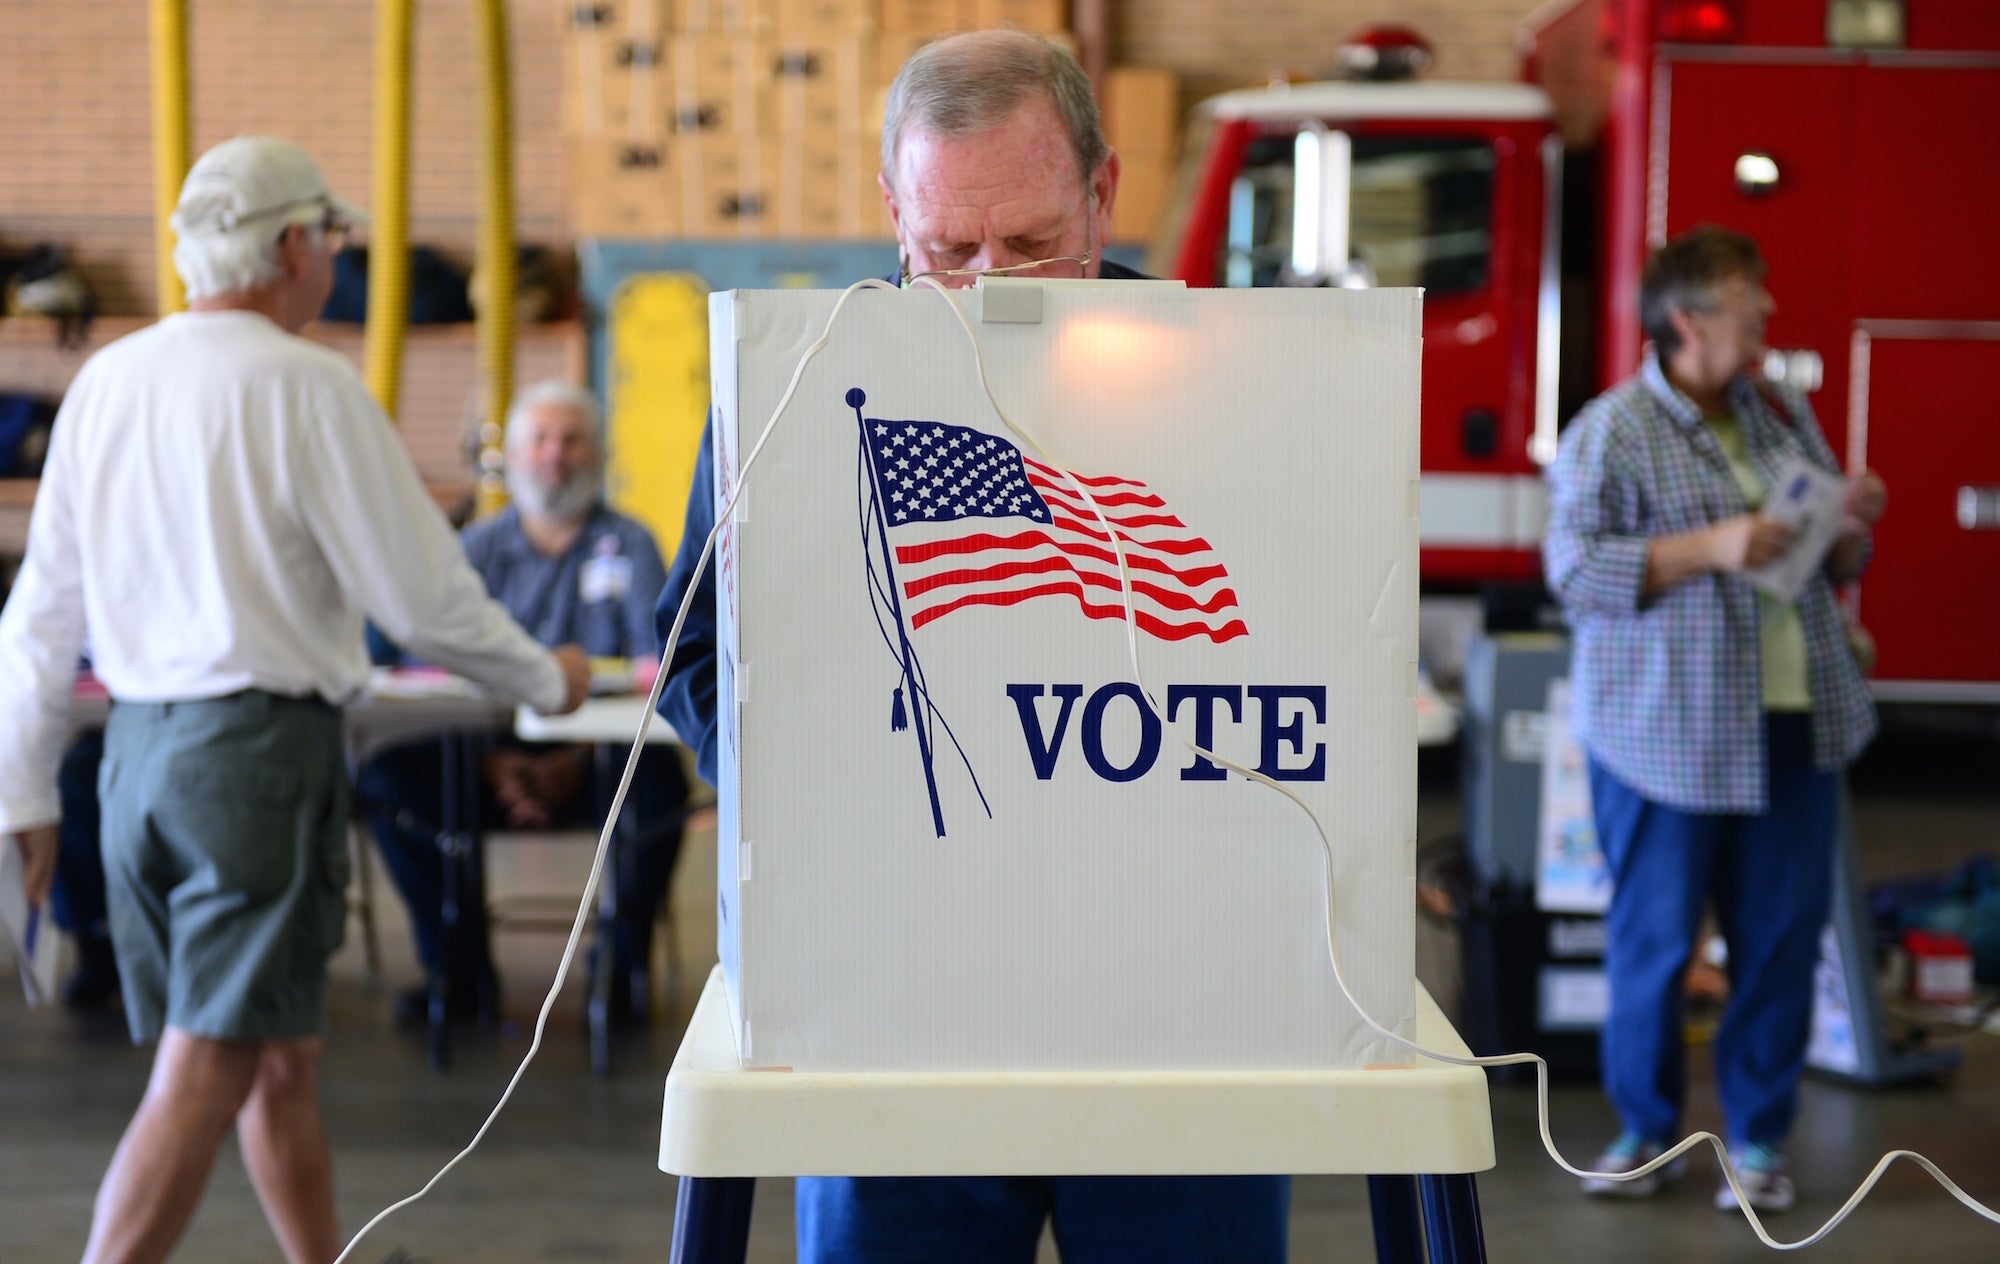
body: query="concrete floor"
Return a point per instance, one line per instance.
(568, 1173)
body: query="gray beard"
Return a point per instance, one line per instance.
(568, 501)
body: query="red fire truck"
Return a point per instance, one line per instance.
(1857, 140)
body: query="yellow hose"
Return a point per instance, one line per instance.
(389, 217)
(496, 253)
(170, 142)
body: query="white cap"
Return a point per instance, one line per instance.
(251, 179)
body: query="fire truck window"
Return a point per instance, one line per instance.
(1420, 213)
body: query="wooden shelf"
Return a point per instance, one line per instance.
(440, 382)
(33, 330)
(17, 503)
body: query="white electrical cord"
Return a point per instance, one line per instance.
(625, 785)
(588, 900)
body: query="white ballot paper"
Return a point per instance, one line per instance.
(1807, 499)
(30, 931)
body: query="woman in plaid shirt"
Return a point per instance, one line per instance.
(1717, 717)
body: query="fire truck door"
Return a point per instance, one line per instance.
(1801, 117)
(1928, 421)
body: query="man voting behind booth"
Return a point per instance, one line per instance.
(993, 160)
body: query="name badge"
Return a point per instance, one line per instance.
(606, 578)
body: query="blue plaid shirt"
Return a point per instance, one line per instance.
(1667, 689)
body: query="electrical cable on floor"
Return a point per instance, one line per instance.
(588, 900)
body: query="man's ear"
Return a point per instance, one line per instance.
(1104, 193)
(1683, 323)
(889, 201)
(292, 248)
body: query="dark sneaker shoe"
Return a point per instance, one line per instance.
(1628, 1153)
(412, 1007)
(1765, 1176)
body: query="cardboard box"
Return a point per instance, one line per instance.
(808, 191)
(615, 84)
(893, 48)
(722, 17)
(822, 89)
(1142, 111)
(1143, 186)
(1046, 16)
(721, 83)
(828, 190)
(1940, 967)
(951, 836)
(618, 17)
(727, 186)
(797, 19)
(933, 17)
(863, 216)
(620, 187)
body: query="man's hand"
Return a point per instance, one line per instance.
(1861, 508)
(1867, 496)
(1746, 542)
(558, 776)
(575, 666)
(38, 847)
(513, 776)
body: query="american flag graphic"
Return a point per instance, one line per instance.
(975, 522)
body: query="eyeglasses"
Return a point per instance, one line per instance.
(1057, 268)
(1063, 273)
(334, 230)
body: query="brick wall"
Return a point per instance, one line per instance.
(1220, 44)
(76, 160)
(440, 379)
(75, 157)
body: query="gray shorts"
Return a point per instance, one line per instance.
(225, 855)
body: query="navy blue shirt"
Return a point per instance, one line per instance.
(598, 593)
(687, 700)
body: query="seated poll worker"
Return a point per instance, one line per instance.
(221, 506)
(572, 572)
(992, 158)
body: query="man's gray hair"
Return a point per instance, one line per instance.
(969, 83)
(556, 391)
(239, 260)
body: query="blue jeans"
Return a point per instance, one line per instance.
(1771, 878)
(402, 795)
(79, 890)
(998, 1219)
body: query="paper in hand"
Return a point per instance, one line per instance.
(1807, 499)
(30, 930)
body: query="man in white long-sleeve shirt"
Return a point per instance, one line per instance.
(221, 506)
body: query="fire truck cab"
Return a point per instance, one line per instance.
(1854, 139)
(1450, 186)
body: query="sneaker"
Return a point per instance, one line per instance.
(1765, 1176)
(412, 1007)
(1630, 1151)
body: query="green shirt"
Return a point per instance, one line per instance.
(1781, 633)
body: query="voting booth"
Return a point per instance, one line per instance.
(953, 836)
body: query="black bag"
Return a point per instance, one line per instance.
(437, 288)
(25, 422)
